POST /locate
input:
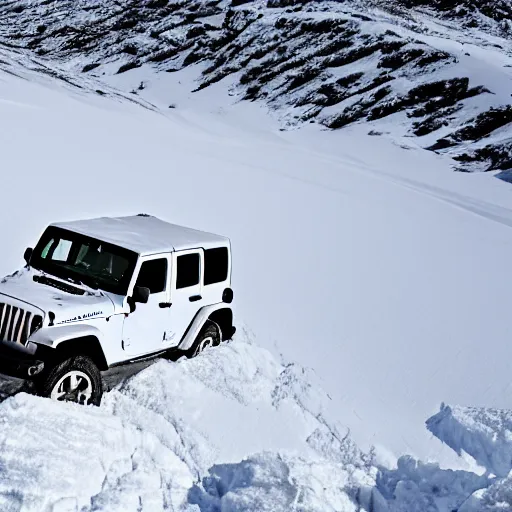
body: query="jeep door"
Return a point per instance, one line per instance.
(144, 330)
(186, 292)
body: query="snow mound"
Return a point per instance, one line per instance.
(156, 436)
(416, 486)
(68, 457)
(483, 433)
(486, 435)
(496, 498)
(270, 482)
(231, 430)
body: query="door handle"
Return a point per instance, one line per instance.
(195, 298)
(165, 304)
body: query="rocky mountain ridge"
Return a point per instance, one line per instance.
(408, 68)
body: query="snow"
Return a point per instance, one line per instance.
(415, 486)
(486, 435)
(46, 462)
(368, 270)
(149, 445)
(483, 433)
(324, 41)
(267, 482)
(496, 498)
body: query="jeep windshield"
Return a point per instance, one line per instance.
(83, 260)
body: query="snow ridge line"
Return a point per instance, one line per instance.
(485, 434)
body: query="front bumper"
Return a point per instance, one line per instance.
(18, 361)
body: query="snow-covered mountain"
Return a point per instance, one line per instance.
(374, 278)
(404, 67)
(492, 16)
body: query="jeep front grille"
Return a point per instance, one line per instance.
(17, 324)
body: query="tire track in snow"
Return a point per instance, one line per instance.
(480, 208)
(483, 209)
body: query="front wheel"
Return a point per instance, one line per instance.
(76, 379)
(208, 337)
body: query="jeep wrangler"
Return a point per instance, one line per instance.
(103, 292)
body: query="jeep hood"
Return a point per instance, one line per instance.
(39, 291)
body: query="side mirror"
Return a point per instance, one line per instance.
(28, 255)
(141, 294)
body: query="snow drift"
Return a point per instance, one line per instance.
(156, 442)
(483, 433)
(231, 430)
(486, 435)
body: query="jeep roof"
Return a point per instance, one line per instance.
(144, 234)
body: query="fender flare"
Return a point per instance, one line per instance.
(54, 336)
(197, 324)
(71, 339)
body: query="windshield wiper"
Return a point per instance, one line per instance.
(58, 284)
(83, 281)
(90, 282)
(74, 281)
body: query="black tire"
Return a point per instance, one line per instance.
(62, 376)
(208, 337)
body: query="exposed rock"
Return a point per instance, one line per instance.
(334, 64)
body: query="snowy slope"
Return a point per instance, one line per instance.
(231, 430)
(366, 262)
(391, 263)
(401, 69)
(154, 442)
(492, 16)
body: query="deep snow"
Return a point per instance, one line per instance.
(486, 435)
(155, 440)
(483, 433)
(369, 264)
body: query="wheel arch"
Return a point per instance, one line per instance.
(219, 314)
(71, 340)
(223, 318)
(88, 345)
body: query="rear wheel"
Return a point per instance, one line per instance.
(208, 337)
(76, 379)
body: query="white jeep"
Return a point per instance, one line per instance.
(104, 292)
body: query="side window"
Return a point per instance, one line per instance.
(153, 275)
(215, 265)
(188, 270)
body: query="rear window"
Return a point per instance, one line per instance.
(188, 270)
(215, 265)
